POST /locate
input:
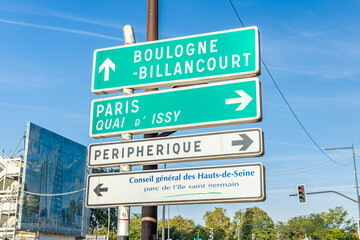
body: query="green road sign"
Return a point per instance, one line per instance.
(188, 60)
(205, 105)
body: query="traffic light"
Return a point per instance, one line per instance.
(301, 193)
(211, 234)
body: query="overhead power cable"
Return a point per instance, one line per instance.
(316, 166)
(232, 5)
(285, 100)
(55, 194)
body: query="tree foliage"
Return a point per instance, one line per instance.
(135, 226)
(181, 228)
(330, 225)
(326, 225)
(99, 221)
(219, 222)
(252, 222)
(336, 218)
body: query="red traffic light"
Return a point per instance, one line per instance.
(301, 193)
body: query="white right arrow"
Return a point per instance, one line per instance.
(106, 65)
(244, 100)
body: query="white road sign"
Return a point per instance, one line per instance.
(232, 183)
(216, 145)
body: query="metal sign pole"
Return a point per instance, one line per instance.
(124, 211)
(149, 214)
(163, 218)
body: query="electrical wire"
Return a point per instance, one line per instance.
(242, 24)
(285, 100)
(14, 154)
(297, 170)
(55, 194)
(294, 114)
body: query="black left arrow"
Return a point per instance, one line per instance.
(99, 189)
(245, 142)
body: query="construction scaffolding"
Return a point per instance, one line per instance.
(10, 176)
(10, 185)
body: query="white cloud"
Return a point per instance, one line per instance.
(321, 74)
(41, 11)
(60, 29)
(351, 99)
(292, 144)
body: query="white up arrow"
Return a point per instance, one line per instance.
(106, 65)
(244, 100)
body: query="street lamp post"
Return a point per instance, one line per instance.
(239, 223)
(356, 180)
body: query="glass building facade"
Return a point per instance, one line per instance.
(53, 184)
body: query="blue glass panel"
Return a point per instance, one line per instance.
(53, 165)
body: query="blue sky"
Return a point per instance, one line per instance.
(312, 51)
